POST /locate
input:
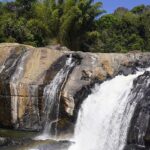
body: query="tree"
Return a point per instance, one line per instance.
(82, 17)
(139, 9)
(39, 31)
(16, 30)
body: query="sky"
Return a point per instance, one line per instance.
(111, 5)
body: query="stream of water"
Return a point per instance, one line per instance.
(52, 97)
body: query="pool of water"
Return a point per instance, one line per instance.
(24, 140)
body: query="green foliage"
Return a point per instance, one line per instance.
(25, 8)
(75, 24)
(14, 30)
(125, 30)
(138, 9)
(39, 31)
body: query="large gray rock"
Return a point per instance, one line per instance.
(25, 71)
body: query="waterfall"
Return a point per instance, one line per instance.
(105, 116)
(52, 98)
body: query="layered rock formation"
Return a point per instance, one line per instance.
(25, 71)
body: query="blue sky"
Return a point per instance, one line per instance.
(111, 5)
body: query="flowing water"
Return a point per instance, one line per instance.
(105, 115)
(52, 97)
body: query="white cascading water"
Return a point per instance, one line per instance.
(51, 97)
(105, 115)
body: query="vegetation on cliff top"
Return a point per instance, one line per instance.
(75, 24)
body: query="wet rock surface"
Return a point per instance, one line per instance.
(136, 147)
(139, 131)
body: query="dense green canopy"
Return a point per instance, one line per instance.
(77, 24)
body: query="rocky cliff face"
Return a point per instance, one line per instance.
(25, 71)
(139, 131)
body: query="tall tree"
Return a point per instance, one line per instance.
(77, 21)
